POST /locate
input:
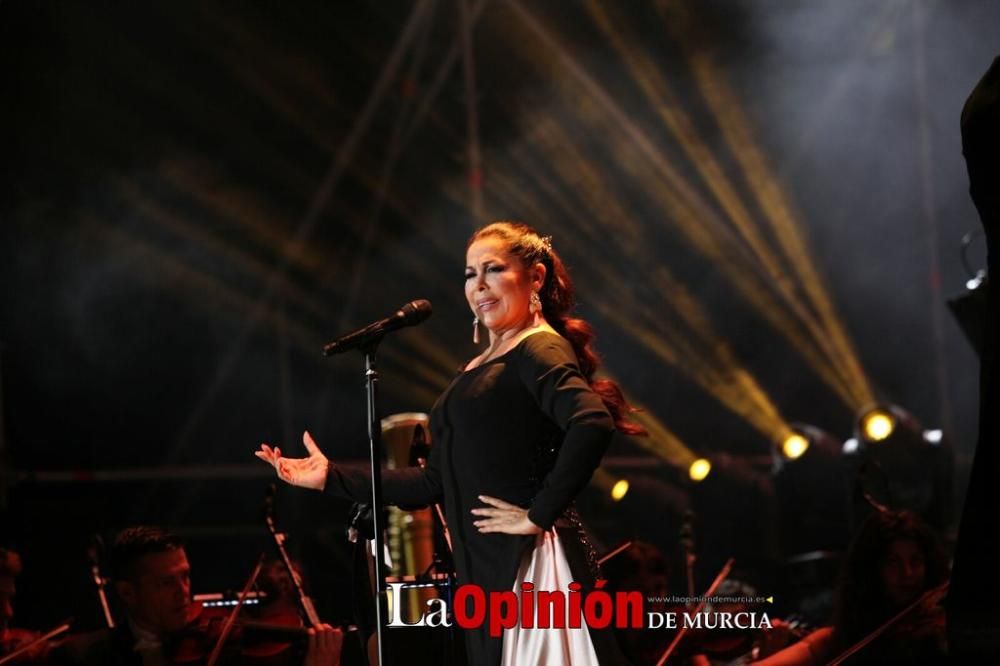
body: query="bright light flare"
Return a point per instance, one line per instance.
(619, 490)
(877, 424)
(699, 469)
(794, 446)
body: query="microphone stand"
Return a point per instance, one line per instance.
(375, 452)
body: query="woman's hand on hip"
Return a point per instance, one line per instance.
(305, 472)
(504, 518)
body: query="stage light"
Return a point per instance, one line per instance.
(877, 424)
(851, 446)
(699, 469)
(794, 446)
(903, 465)
(802, 440)
(933, 437)
(619, 490)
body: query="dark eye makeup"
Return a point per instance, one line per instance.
(491, 268)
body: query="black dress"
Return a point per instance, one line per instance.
(524, 427)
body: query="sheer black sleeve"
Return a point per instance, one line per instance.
(410, 486)
(549, 370)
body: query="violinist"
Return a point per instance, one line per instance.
(893, 561)
(10, 639)
(10, 567)
(151, 574)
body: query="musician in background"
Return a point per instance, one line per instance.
(894, 559)
(152, 577)
(10, 568)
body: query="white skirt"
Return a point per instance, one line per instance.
(547, 567)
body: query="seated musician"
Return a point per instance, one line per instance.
(10, 567)
(152, 577)
(893, 561)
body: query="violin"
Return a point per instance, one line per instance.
(212, 638)
(281, 639)
(22, 646)
(920, 624)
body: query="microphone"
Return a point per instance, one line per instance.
(410, 314)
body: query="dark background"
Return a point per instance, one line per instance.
(196, 196)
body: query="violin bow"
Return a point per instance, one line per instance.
(227, 628)
(94, 555)
(723, 574)
(312, 617)
(935, 593)
(24, 649)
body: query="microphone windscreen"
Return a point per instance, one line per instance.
(417, 311)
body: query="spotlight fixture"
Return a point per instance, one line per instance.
(800, 441)
(877, 424)
(699, 469)
(933, 437)
(794, 446)
(619, 490)
(901, 464)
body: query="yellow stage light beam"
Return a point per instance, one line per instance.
(770, 197)
(436, 364)
(242, 209)
(225, 250)
(722, 377)
(601, 209)
(676, 196)
(661, 440)
(778, 211)
(426, 380)
(703, 355)
(166, 271)
(575, 167)
(671, 111)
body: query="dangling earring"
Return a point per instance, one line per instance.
(475, 330)
(535, 304)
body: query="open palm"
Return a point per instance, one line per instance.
(305, 472)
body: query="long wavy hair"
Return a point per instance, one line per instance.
(558, 299)
(862, 602)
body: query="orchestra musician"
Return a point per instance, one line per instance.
(10, 568)
(894, 559)
(11, 639)
(151, 574)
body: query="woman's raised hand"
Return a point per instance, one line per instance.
(305, 472)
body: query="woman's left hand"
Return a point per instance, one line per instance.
(504, 518)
